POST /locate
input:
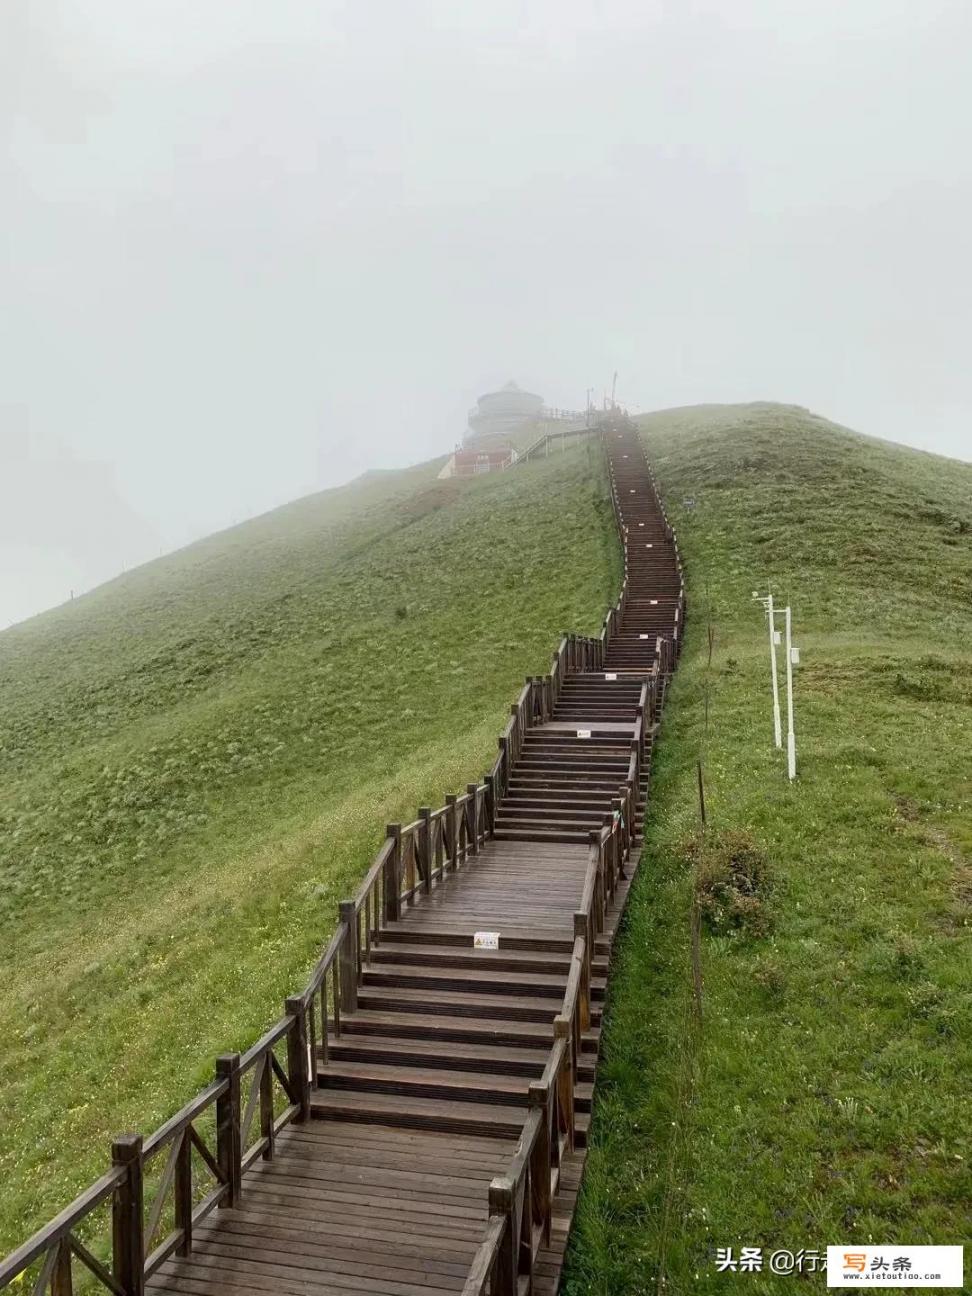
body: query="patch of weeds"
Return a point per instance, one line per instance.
(770, 975)
(731, 883)
(930, 1003)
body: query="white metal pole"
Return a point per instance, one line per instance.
(790, 735)
(777, 727)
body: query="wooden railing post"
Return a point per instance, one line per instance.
(564, 1029)
(505, 1270)
(538, 1095)
(471, 789)
(424, 847)
(127, 1216)
(452, 829)
(489, 805)
(298, 1061)
(62, 1279)
(182, 1194)
(393, 868)
(229, 1152)
(505, 770)
(620, 809)
(348, 957)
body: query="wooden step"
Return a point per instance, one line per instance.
(423, 1082)
(480, 1119)
(539, 940)
(478, 980)
(441, 1054)
(450, 1003)
(505, 959)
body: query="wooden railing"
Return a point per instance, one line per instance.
(160, 1189)
(188, 1167)
(521, 1199)
(553, 440)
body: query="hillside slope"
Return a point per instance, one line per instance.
(803, 1081)
(197, 761)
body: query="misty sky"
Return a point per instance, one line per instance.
(253, 248)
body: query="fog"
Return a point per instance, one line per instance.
(253, 249)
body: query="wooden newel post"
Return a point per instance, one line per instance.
(127, 1216)
(393, 869)
(505, 1269)
(425, 847)
(229, 1153)
(348, 957)
(299, 1062)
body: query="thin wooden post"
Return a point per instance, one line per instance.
(127, 1216)
(701, 794)
(489, 804)
(506, 767)
(538, 1095)
(564, 1029)
(452, 829)
(619, 809)
(182, 1193)
(229, 1153)
(348, 957)
(299, 1062)
(424, 847)
(393, 868)
(472, 789)
(267, 1132)
(62, 1279)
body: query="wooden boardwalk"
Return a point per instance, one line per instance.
(417, 1121)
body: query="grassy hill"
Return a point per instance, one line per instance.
(801, 1079)
(197, 762)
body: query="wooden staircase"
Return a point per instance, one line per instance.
(417, 1120)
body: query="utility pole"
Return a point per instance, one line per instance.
(614, 386)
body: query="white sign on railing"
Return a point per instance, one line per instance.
(486, 940)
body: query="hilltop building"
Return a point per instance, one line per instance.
(500, 415)
(496, 420)
(502, 421)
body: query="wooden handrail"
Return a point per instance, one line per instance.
(61, 1225)
(478, 1281)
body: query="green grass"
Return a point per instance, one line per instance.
(197, 762)
(824, 1096)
